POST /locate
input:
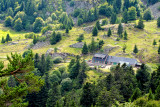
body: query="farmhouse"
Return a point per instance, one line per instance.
(113, 60)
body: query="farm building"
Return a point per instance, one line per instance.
(113, 60)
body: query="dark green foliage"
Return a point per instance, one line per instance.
(140, 24)
(113, 18)
(125, 35)
(66, 84)
(106, 10)
(124, 48)
(98, 25)
(157, 93)
(104, 22)
(38, 24)
(87, 96)
(30, 7)
(95, 31)
(11, 81)
(74, 71)
(48, 63)
(27, 53)
(143, 76)
(18, 25)
(136, 94)
(85, 49)
(125, 16)
(80, 21)
(67, 30)
(55, 38)
(154, 42)
(42, 66)
(132, 13)
(109, 32)
(158, 22)
(35, 39)
(80, 38)
(8, 21)
(36, 60)
(53, 78)
(101, 43)
(117, 5)
(126, 4)
(135, 50)
(72, 62)
(159, 50)
(3, 40)
(120, 29)
(150, 96)
(92, 46)
(96, 13)
(147, 15)
(8, 38)
(57, 60)
(45, 29)
(54, 16)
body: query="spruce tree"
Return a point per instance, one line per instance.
(157, 93)
(135, 49)
(18, 25)
(8, 38)
(95, 31)
(136, 94)
(8, 21)
(34, 39)
(158, 22)
(42, 68)
(120, 29)
(85, 49)
(113, 18)
(140, 24)
(67, 30)
(159, 50)
(147, 15)
(92, 46)
(150, 96)
(109, 32)
(36, 60)
(124, 48)
(98, 25)
(154, 42)
(125, 35)
(96, 13)
(72, 62)
(3, 40)
(87, 97)
(125, 16)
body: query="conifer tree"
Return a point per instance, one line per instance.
(96, 14)
(8, 21)
(125, 16)
(147, 15)
(35, 39)
(158, 22)
(136, 94)
(135, 49)
(120, 29)
(95, 31)
(92, 46)
(159, 50)
(85, 49)
(98, 25)
(3, 40)
(125, 35)
(140, 24)
(124, 48)
(36, 60)
(157, 93)
(67, 30)
(113, 18)
(109, 32)
(151, 96)
(42, 65)
(72, 62)
(8, 38)
(154, 42)
(18, 25)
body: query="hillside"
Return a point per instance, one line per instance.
(71, 53)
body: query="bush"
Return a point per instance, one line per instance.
(76, 12)
(29, 35)
(66, 84)
(118, 39)
(104, 22)
(71, 4)
(158, 8)
(54, 78)
(62, 69)
(58, 73)
(45, 29)
(58, 60)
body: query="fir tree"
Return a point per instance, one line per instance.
(135, 49)
(98, 25)
(18, 25)
(42, 65)
(124, 48)
(67, 30)
(85, 49)
(158, 22)
(120, 29)
(8, 38)
(147, 15)
(3, 40)
(109, 32)
(140, 24)
(36, 60)
(136, 94)
(35, 39)
(157, 93)
(150, 96)
(95, 31)
(154, 42)
(113, 18)
(159, 50)
(125, 35)
(125, 16)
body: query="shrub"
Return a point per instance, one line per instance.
(45, 29)
(66, 84)
(29, 35)
(58, 73)
(57, 60)
(71, 4)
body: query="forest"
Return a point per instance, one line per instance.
(47, 49)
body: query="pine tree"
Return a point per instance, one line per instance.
(140, 24)
(8, 38)
(18, 25)
(132, 13)
(8, 21)
(72, 62)
(42, 68)
(98, 25)
(147, 15)
(158, 22)
(38, 24)
(159, 50)
(95, 31)
(96, 14)
(48, 63)
(53, 38)
(125, 35)
(85, 49)
(135, 49)
(109, 32)
(136, 94)
(34, 39)
(113, 18)
(124, 48)
(157, 93)
(126, 4)
(87, 97)
(150, 96)
(3, 40)
(36, 60)
(154, 42)
(67, 30)
(92, 46)
(125, 16)
(120, 29)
